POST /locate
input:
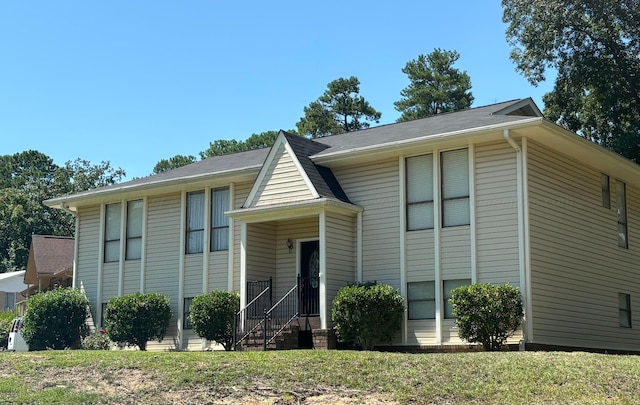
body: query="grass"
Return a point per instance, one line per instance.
(93, 377)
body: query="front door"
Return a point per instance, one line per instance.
(309, 278)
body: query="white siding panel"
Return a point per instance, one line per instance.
(89, 254)
(496, 214)
(193, 274)
(283, 182)
(455, 253)
(163, 256)
(131, 276)
(420, 256)
(298, 229)
(422, 332)
(577, 268)
(218, 270)
(375, 188)
(110, 274)
(341, 251)
(261, 247)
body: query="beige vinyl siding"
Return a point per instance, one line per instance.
(496, 214)
(283, 182)
(421, 332)
(192, 274)
(420, 251)
(218, 270)
(455, 253)
(261, 247)
(241, 192)
(163, 256)
(110, 275)
(89, 254)
(131, 277)
(287, 270)
(340, 251)
(577, 267)
(375, 188)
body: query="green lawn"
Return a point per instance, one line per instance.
(93, 377)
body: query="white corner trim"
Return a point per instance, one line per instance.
(402, 212)
(323, 270)
(232, 239)
(437, 225)
(143, 248)
(527, 239)
(103, 209)
(472, 213)
(206, 240)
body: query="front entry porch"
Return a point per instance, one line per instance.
(291, 267)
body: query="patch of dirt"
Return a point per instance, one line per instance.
(132, 386)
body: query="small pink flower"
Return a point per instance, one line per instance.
(102, 331)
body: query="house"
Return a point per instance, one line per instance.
(494, 194)
(11, 285)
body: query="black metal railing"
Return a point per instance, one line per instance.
(249, 318)
(309, 296)
(280, 315)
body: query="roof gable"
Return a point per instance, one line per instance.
(48, 255)
(288, 175)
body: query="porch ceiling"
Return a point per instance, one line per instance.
(291, 210)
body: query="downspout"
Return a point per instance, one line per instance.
(521, 232)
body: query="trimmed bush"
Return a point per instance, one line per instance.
(97, 341)
(54, 319)
(487, 314)
(6, 320)
(367, 314)
(135, 319)
(212, 316)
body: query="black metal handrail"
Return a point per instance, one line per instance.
(249, 318)
(280, 315)
(309, 295)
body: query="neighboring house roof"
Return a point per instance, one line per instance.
(48, 257)
(12, 282)
(315, 155)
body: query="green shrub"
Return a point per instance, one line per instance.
(96, 341)
(135, 319)
(6, 320)
(212, 316)
(54, 319)
(366, 314)
(487, 314)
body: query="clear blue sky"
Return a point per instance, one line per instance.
(133, 82)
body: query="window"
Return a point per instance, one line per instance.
(419, 192)
(219, 221)
(186, 322)
(624, 310)
(621, 198)
(455, 188)
(195, 222)
(606, 191)
(134, 230)
(421, 300)
(450, 285)
(112, 233)
(9, 300)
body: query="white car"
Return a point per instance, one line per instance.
(16, 341)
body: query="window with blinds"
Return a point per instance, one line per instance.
(133, 248)
(219, 221)
(112, 232)
(195, 222)
(455, 187)
(419, 173)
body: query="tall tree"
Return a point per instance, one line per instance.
(255, 141)
(339, 109)
(26, 179)
(435, 86)
(164, 165)
(594, 46)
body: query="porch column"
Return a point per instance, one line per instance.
(323, 270)
(243, 264)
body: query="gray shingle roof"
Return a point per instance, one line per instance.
(386, 134)
(322, 177)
